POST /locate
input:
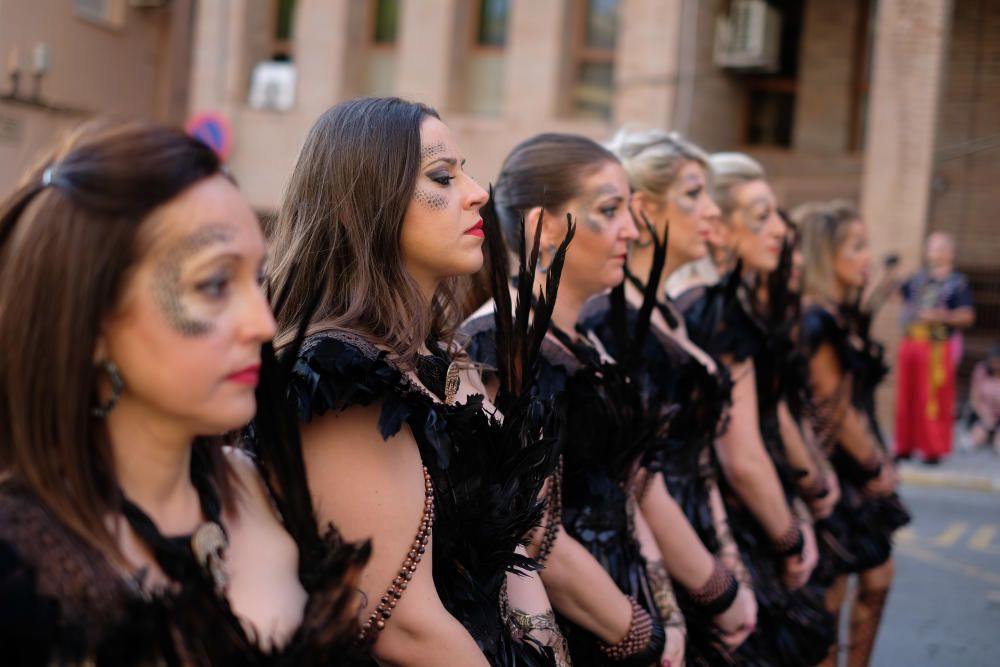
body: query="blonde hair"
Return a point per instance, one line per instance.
(823, 227)
(653, 158)
(729, 170)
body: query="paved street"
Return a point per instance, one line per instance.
(944, 610)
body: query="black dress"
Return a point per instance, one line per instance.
(62, 602)
(605, 434)
(486, 478)
(793, 626)
(858, 535)
(669, 375)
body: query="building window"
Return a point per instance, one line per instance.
(864, 50)
(769, 97)
(491, 23)
(283, 21)
(380, 68)
(485, 63)
(386, 22)
(105, 13)
(592, 84)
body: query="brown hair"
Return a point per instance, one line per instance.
(823, 227)
(69, 235)
(546, 170)
(336, 240)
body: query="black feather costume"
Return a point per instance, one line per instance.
(669, 375)
(793, 627)
(858, 535)
(605, 433)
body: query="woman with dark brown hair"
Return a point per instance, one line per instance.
(132, 328)
(399, 440)
(594, 541)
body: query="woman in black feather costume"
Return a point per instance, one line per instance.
(548, 184)
(400, 442)
(668, 177)
(770, 522)
(133, 325)
(845, 367)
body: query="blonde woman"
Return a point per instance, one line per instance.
(843, 374)
(769, 520)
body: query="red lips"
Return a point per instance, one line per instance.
(249, 375)
(476, 229)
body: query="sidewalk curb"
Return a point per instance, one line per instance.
(949, 480)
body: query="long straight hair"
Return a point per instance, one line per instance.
(336, 241)
(823, 227)
(69, 235)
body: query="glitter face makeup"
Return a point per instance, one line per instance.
(168, 291)
(756, 214)
(586, 213)
(684, 194)
(432, 151)
(432, 200)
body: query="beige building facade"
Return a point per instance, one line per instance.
(75, 59)
(891, 103)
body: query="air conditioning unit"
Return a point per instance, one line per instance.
(272, 86)
(749, 38)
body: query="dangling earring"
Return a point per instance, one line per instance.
(117, 387)
(552, 252)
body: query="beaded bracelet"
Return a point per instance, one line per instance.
(383, 610)
(872, 469)
(719, 592)
(791, 543)
(640, 630)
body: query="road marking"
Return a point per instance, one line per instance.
(933, 558)
(983, 538)
(951, 535)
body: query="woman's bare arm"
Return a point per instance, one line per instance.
(374, 489)
(580, 589)
(744, 460)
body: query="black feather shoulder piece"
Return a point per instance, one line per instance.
(720, 318)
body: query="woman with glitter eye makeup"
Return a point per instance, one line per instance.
(844, 369)
(400, 442)
(129, 533)
(593, 539)
(769, 520)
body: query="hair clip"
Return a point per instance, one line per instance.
(47, 176)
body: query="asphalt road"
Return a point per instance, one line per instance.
(944, 609)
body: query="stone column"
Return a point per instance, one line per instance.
(826, 75)
(536, 60)
(426, 50)
(320, 54)
(910, 49)
(218, 58)
(647, 61)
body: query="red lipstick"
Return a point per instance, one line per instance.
(476, 229)
(249, 375)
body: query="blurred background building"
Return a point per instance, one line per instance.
(891, 103)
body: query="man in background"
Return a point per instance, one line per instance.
(937, 302)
